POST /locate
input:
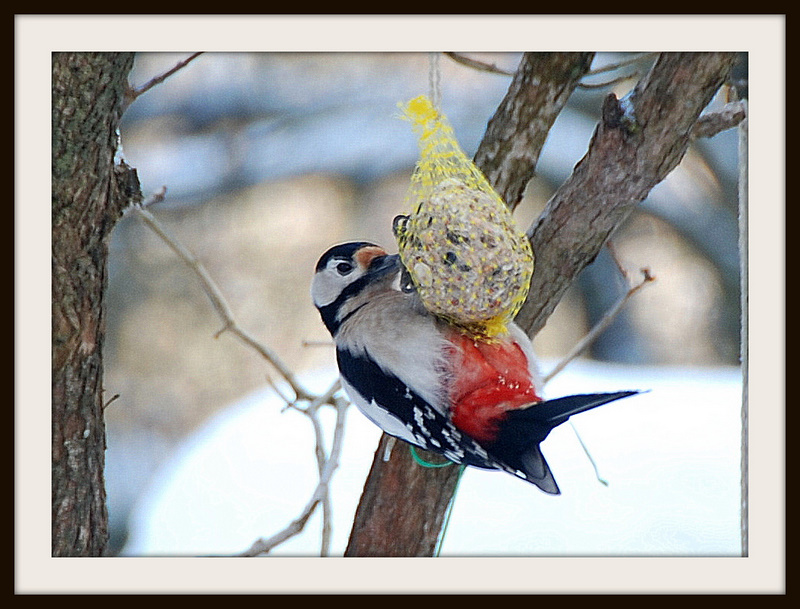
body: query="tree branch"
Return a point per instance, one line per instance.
(712, 123)
(477, 64)
(219, 302)
(320, 494)
(516, 133)
(403, 506)
(133, 93)
(600, 326)
(326, 463)
(639, 140)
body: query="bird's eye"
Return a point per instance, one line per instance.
(344, 268)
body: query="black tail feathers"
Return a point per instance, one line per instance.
(517, 444)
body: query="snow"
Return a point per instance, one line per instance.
(670, 456)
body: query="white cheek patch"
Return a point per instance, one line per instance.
(328, 284)
(323, 289)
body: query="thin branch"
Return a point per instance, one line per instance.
(326, 464)
(311, 411)
(264, 546)
(156, 197)
(134, 92)
(113, 398)
(600, 326)
(327, 397)
(708, 125)
(612, 67)
(591, 336)
(322, 459)
(319, 452)
(220, 304)
(477, 64)
(269, 355)
(387, 452)
(494, 69)
(608, 83)
(620, 64)
(288, 401)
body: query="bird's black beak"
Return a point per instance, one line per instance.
(384, 265)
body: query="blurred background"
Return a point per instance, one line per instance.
(270, 158)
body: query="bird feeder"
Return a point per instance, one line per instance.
(459, 244)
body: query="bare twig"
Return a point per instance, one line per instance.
(134, 92)
(611, 67)
(708, 125)
(387, 452)
(288, 401)
(492, 68)
(113, 398)
(156, 197)
(322, 460)
(477, 64)
(608, 83)
(600, 326)
(326, 464)
(220, 304)
(264, 546)
(328, 397)
(591, 336)
(311, 411)
(269, 355)
(620, 64)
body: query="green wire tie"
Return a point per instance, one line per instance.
(425, 463)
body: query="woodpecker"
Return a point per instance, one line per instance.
(423, 380)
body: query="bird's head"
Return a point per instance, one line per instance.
(347, 275)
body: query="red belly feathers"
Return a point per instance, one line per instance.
(489, 378)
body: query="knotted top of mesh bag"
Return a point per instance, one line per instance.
(460, 245)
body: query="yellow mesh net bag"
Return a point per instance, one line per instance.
(460, 245)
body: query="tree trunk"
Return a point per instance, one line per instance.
(400, 512)
(88, 195)
(636, 145)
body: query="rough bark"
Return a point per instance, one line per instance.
(403, 504)
(88, 195)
